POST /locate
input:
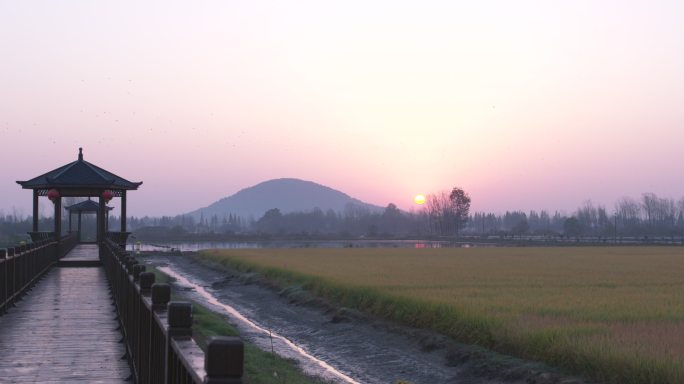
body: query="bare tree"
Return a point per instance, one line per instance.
(438, 209)
(680, 215)
(661, 213)
(648, 203)
(628, 213)
(587, 217)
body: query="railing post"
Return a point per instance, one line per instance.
(180, 318)
(161, 294)
(4, 291)
(130, 262)
(137, 270)
(11, 277)
(145, 281)
(224, 360)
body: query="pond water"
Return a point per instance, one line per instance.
(196, 246)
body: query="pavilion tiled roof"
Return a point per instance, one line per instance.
(79, 174)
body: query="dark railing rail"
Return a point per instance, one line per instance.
(158, 333)
(21, 266)
(67, 243)
(41, 236)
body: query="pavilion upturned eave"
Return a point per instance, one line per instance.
(73, 190)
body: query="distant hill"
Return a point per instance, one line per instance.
(288, 195)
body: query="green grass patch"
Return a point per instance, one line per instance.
(611, 314)
(159, 276)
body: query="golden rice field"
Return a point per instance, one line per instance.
(615, 314)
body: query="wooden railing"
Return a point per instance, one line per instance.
(41, 236)
(158, 333)
(21, 266)
(67, 243)
(118, 238)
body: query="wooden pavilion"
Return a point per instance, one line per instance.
(80, 179)
(85, 207)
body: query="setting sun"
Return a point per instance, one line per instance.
(419, 199)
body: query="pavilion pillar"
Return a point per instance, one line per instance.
(58, 217)
(101, 220)
(69, 222)
(35, 210)
(79, 226)
(123, 211)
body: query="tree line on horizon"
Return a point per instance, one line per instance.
(445, 215)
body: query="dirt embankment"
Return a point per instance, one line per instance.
(360, 347)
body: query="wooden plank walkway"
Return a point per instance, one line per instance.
(64, 330)
(84, 255)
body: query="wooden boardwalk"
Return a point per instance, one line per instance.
(84, 255)
(64, 330)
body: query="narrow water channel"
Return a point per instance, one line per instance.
(281, 345)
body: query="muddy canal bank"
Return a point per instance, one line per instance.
(338, 345)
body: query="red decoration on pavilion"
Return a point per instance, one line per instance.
(53, 195)
(107, 196)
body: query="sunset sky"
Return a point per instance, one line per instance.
(524, 104)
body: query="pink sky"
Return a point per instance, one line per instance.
(526, 104)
